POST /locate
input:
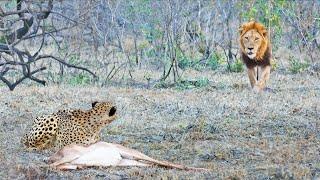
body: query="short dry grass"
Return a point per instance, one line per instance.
(223, 127)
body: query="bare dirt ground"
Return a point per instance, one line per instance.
(224, 127)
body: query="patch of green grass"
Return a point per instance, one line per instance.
(214, 61)
(191, 84)
(185, 62)
(237, 66)
(161, 84)
(150, 53)
(297, 66)
(2, 39)
(80, 79)
(74, 59)
(274, 64)
(184, 84)
(10, 4)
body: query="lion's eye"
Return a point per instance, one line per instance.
(246, 38)
(256, 39)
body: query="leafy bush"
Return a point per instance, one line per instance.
(274, 64)
(185, 62)
(237, 66)
(80, 79)
(214, 61)
(190, 84)
(2, 39)
(297, 66)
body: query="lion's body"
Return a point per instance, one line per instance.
(256, 53)
(69, 127)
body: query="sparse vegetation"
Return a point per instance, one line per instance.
(80, 79)
(173, 69)
(214, 61)
(185, 62)
(231, 131)
(296, 66)
(112, 40)
(190, 84)
(238, 66)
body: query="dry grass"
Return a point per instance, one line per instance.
(224, 127)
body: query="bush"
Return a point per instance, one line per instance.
(214, 61)
(190, 84)
(185, 62)
(80, 79)
(297, 66)
(237, 66)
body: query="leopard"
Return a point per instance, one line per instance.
(67, 127)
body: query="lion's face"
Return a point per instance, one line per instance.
(253, 40)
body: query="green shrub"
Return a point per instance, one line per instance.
(237, 66)
(199, 66)
(74, 59)
(297, 66)
(80, 79)
(2, 39)
(202, 82)
(161, 84)
(190, 84)
(185, 62)
(214, 61)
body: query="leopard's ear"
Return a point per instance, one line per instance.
(94, 104)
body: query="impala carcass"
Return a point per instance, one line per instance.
(105, 155)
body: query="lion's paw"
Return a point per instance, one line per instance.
(257, 89)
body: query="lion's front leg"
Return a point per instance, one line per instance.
(252, 76)
(265, 75)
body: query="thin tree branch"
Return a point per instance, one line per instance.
(13, 85)
(66, 64)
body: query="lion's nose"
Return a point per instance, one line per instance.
(250, 49)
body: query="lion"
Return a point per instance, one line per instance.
(256, 53)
